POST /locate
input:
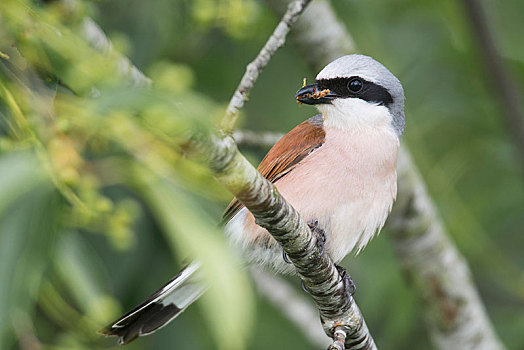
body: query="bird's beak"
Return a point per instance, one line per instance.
(312, 95)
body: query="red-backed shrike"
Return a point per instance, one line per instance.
(338, 169)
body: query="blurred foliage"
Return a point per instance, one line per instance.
(98, 206)
(86, 150)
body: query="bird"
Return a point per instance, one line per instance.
(337, 169)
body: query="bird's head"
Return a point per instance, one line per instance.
(356, 90)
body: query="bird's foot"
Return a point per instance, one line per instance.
(319, 233)
(349, 286)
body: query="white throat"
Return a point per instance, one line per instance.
(354, 113)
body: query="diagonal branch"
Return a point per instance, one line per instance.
(341, 318)
(276, 215)
(442, 278)
(455, 315)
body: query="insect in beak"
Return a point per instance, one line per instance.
(312, 95)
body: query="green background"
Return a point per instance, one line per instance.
(61, 279)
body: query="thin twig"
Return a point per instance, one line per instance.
(94, 35)
(253, 69)
(256, 139)
(505, 87)
(339, 339)
(311, 27)
(415, 224)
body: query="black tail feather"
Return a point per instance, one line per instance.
(159, 309)
(147, 320)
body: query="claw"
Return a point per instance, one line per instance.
(321, 248)
(286, 259)
(352, 286)
(304, 287)
(323, 235)
(349, 286)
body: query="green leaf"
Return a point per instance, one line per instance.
(228, 304)
(80, 268)
(26, 237)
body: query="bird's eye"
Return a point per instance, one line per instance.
(355, 85)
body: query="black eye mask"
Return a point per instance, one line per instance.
(356, 87)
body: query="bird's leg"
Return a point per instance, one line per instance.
(320, 235)
(349, 286)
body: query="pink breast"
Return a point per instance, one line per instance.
(348, 184)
